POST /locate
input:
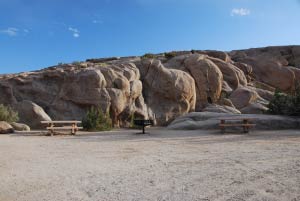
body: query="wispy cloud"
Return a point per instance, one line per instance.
(75, 32)
(11, 31)
(26, 32)
(240, 12)
(97, 21)
(96, 18)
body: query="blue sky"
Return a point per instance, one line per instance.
(38, 33)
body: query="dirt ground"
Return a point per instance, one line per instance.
(164, 165)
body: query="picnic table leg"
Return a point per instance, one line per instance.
(246, 128)
(73, 129)
(51, 130)
(222, 127)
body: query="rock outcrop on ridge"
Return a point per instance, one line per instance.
(158, 86)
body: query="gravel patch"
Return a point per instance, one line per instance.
(163, 165)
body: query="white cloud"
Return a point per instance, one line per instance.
(76, 35)
(97, 21)
(75, 32)
(11, 31)
(240, 12)
(73, 29)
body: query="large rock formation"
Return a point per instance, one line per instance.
(208, 78)
(31, 114)
(161, 86)
(275, 66)
(66, 92)
(169, 92)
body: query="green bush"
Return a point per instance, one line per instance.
(170, 55)
(8, 114)
(96, 120)
(76, 63)
(285, 104)
(148, 56)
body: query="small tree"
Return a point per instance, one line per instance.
(278, 103)
(96, 120)
(285, 104)
(8, 114)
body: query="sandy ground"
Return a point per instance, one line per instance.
(165, 165)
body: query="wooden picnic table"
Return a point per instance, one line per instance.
(244, 122)
(63, 125)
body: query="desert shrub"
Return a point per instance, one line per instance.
(76, 63)
(8, 114)
(96, 120)
(278, 103)
(148, 56)
(224, 94)
(170, 55)
(285, 104)
(102, 64)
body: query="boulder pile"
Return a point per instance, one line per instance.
(161, 86)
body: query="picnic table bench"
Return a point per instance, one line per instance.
(245, 123)
(143, 123)
(53, 126)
